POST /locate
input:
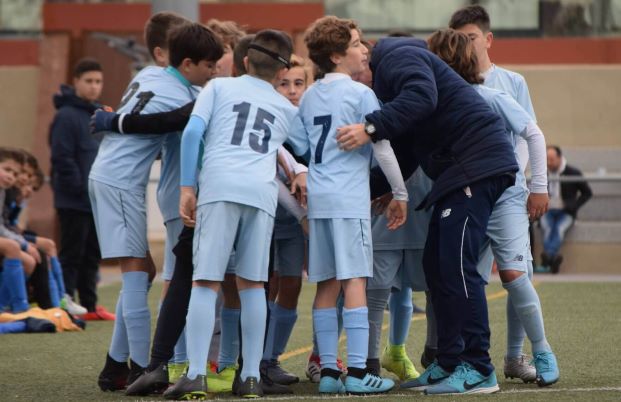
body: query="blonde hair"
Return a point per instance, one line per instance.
(230, 32)
(298, 61)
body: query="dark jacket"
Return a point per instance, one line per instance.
(73, 150)
(434, 118)
(572, 201)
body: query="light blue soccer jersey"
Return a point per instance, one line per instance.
(124, 160)
(513, 84)
(412, 235)
(247, 120)
(338, 181)
(515, 117)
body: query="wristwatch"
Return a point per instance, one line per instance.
(370, 129)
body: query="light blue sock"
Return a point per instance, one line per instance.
(515, 330)
(181, 352)
(119, 347)
(282, 321)
(526, 304)
(53, 285)
(325, 322)
(14, 278)
(199, 328)
(400, 305)
(356, 324)
(137, 316)
(229, 337)
(58, 275)
(252, 318)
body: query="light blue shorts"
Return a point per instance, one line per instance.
(120, 219)
(507, 231)
(222, 227)
(339, 248)
(173, 230)
(289, 255)
(398, 268)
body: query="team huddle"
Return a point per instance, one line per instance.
(400, 169)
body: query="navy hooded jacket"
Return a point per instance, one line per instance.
(435, 119)
(73, 150)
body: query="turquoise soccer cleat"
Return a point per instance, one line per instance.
(547, 368)
(434, 374)
(465, 380)
(369, 384)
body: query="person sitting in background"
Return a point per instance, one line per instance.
(565, 200)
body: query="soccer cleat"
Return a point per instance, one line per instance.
(101, 121)
(221, 381)
(175, 371)
(520, 367)
(465, 380)
(135, 371)
(555, 265)
(272, 370)
(150, 382)
(100, 314)
(251, 388)
(547, 368)
(186, 389)
(434, 374)
(67, 303)
(113, 376)
(331, 385)
(369, 384)
(313, 368)
(396, 360)
(428, 356)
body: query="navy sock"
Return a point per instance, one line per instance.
(282, 321)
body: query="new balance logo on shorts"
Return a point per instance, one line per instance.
(445, 213)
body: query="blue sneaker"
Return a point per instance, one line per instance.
(369, 384)
(547, 368)
(465, 380)
(330, 385)
(434, 374)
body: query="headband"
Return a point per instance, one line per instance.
(273, 55)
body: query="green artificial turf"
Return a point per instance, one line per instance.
(583, 323)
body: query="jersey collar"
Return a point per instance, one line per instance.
(330, 77)
(175, 73)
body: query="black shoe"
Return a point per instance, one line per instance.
(555, 265)
(150, 382)
(272, 370)
(113, 377)
(251, 388)
(185, 389)
(135, 371)
(269, 387)
(546, 260)
(428, 356)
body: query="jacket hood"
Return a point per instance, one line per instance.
(67, 97)
(386, 45)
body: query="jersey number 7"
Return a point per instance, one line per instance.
(260, 124)
(325, 122)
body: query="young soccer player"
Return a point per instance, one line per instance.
(474, 21)
(117, 186)
(236, 202)
(340, 254)
(508, 224)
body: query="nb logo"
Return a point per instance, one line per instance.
(445, 213)
(519, 257)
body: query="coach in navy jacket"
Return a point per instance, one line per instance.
(434, 118)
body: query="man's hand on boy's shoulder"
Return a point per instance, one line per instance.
(352, 136)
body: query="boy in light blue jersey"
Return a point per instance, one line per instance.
(340, 253)
(508, 224)
(117, 185)
(475, 22)
(242, 122)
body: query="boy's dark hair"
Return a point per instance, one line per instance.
(239, 52)
(399, 33)
(7, 153)
(229, 32)
(557, 149)
(474, 14)
(30, 160)
(456, 50)
(193, 41)
(39, 177)
(157, 27)
(269, 52)
(84, 66)
(327, 36)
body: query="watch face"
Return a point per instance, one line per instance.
(370, 128)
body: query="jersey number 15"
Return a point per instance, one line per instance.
(260, 124)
